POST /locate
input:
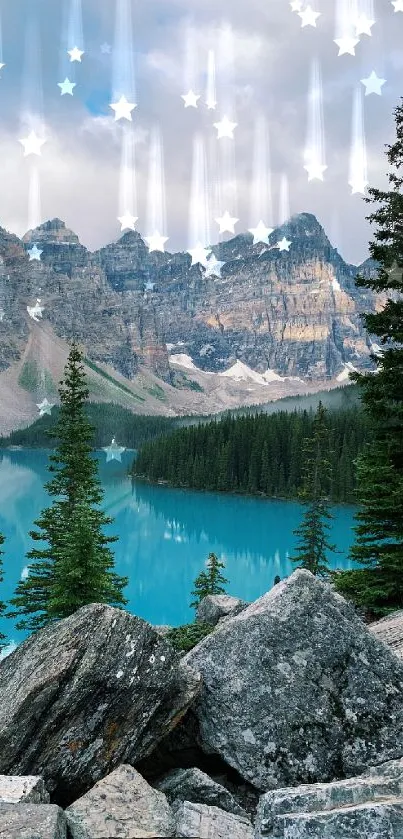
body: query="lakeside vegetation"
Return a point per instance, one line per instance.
(258, 454)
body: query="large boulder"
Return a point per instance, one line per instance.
(390, 631)
(121, 806)
(296, 690)
(194, 785)
(83, 695)
(32, 821)
(23, 788)
(199, 821)
(215, 607)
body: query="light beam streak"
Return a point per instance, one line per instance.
(156, 210)
(199, 221)
(127, 182)
(358, 156)
(315, 141)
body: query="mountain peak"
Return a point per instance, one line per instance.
(54, 230)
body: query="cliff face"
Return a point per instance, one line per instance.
(295, 312)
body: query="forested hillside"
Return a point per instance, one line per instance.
(109, 421)
(260, 454)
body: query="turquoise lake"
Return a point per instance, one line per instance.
(165, 536)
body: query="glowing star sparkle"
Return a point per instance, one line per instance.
(225, 128)
(35, 312)
(347, 44)
(296, 5)
(315, 170)
(373, 84)
(114, 451)
(34, 253)
(199, 254)
(156, 242)
(283, 244)
(227, 223)
(123, 109)
(75, 54)
(308, 16)
(213, 267)
(358, 184)
(190, 99)
(261, 233)
(398, 5)
(66, 87)
(32, 144)
(105, 48)
(363, 25)
(211, 104)
(45, 407)
(127, 221)
(149, 286)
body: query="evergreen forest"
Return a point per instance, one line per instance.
(259, 454)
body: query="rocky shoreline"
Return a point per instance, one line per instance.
(286, 722)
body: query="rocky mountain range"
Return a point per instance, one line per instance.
(161, 336)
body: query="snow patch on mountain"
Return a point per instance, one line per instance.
(344, 373)
(183, 360)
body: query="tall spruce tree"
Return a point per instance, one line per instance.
(210, 581)
(316, 474)
(378, 585)
(76, 567)
(3, 638)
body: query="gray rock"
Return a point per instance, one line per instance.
(122, 805)
(162, 629)
(32, 821)
(390, 631)
(23, 788)
(86, 694)
(390, 769)
(198, 821)
(381, 820)
(319, 798)
(194, 785)
(213, 607)
(296, 690)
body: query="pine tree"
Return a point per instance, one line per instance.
(210, 581)
(378, 585)
(313, 493)
(3, 638)
(76, 567)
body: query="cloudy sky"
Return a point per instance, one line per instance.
(159, 49)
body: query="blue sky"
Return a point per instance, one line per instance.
(79, 169)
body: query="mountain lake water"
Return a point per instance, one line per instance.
(165, 536)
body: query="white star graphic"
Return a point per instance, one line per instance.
(2, 65)
(32, 144)
(398, 5)
(227, 223)
(199, 254)
(114, 451)
(127, 221)
(283, 244)
(149, 286)
(296, 5)
(75, 54)
(315, 170)
(45, 407)
(346, 45)
(308, 16)
(213, 267)
(66, 87)
(156, 242)
(363, 25)
(373, 84)
(261, 233)
(105, 48)
(35, 312)
(225, 128)
(123, 109)
(358, 184)
(190, 99)
(35, 253)
(211, 104)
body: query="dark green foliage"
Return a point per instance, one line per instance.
(2, 605)
(76, 567)
(187, 636)
(109, 378)
(378, 585)
(108, 420)
(316, 475)
(210, 581)
(258, 454)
